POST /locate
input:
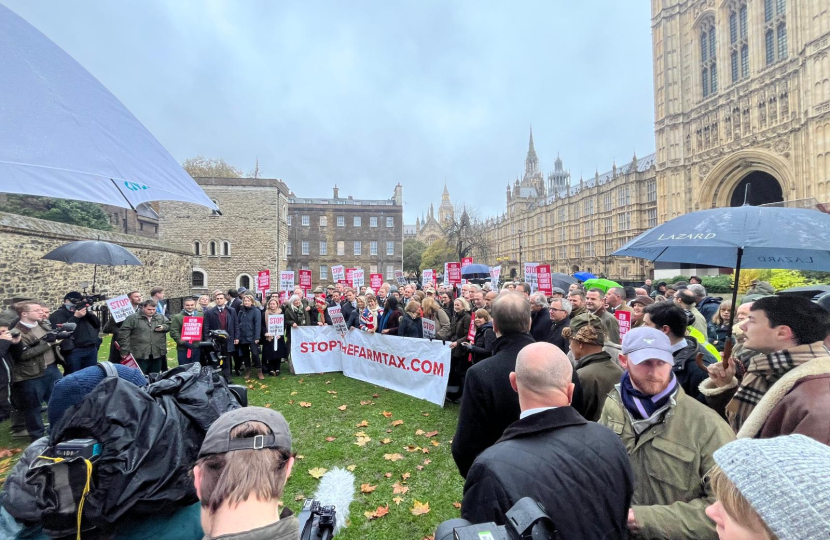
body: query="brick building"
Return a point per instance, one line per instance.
(356, 233)
(228, 249)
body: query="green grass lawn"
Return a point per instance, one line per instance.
(394, 424)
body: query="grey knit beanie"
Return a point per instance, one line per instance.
(786, 480)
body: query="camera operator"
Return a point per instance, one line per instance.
(243, 465)
(80, 350)
(144, 335)
(35, 368)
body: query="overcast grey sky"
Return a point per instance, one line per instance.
(367, 94)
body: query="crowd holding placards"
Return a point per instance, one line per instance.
(617, 401)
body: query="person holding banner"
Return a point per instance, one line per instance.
(248, 320)
(369, 318)
(144, 336)
(295, 315)
(482, 345)
(272, 356)
(411, 325)
(390, 321)
(183, 346)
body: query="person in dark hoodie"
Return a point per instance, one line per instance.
(482, 346)
(411, 321)
(672, 321)
(659, 289)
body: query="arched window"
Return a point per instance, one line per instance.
(244, 280)
(212, 248)
(197, 248)
(738, 40)
(708, 58)
(775, 30)
(198, 280)
(226, 249)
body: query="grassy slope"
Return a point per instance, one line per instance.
(438, 483)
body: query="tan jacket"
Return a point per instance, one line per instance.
(670, 462)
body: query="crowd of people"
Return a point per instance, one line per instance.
(645, 433)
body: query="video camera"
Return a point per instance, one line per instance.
(526, 520)
(87, 300)
(317, 521)
(213, 353)
(61, 331)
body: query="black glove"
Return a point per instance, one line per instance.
(48, 338)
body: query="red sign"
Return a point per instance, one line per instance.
(466, 261)
(263, 280)
(191, 330)
(375, 281)
(343, 282)
(624, 318)
(350, 277)
(283, 297)
(543, 279)
(305, 280)
(454, 272)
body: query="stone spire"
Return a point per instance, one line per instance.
(446, 195)
(532, 160)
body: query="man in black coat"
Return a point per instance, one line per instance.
(81, 350)
(489, 404)
(540, 322)
(552, 454)
(560, 315)
(222, 317)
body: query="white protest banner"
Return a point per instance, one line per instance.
(530, 275)
(358, 277)
(276, 327)
(287, 280)
(315, 349)
(416, 367)
(446, 280)
(338, 273)
(337, 319)
(120, 307)
(428, 327)
(399, 277)
(495, 272)
(427, 277)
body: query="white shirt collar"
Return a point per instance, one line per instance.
(679, 345)
(528, 412)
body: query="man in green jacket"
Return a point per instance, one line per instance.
(598, 373)
(670, 438)
(182, 347)
(144, 335)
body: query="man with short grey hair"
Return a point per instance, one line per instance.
(615, 297)
(560, 313)
(706, 305)
(540, 318)
(555, 442)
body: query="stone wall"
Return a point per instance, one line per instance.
(24, 240)
(228, 249)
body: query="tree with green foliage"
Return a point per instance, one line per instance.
(202, 167)
(412, 252)
(81, 213)
(438, 253)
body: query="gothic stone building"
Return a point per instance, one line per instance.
(575, 227)
(742, 96)
(229, 248)
(427, 228)
(356, 233)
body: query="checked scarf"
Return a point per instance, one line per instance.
(764, 371)
(645, 410)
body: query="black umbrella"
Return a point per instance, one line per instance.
(563, 281)
(93, 252)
